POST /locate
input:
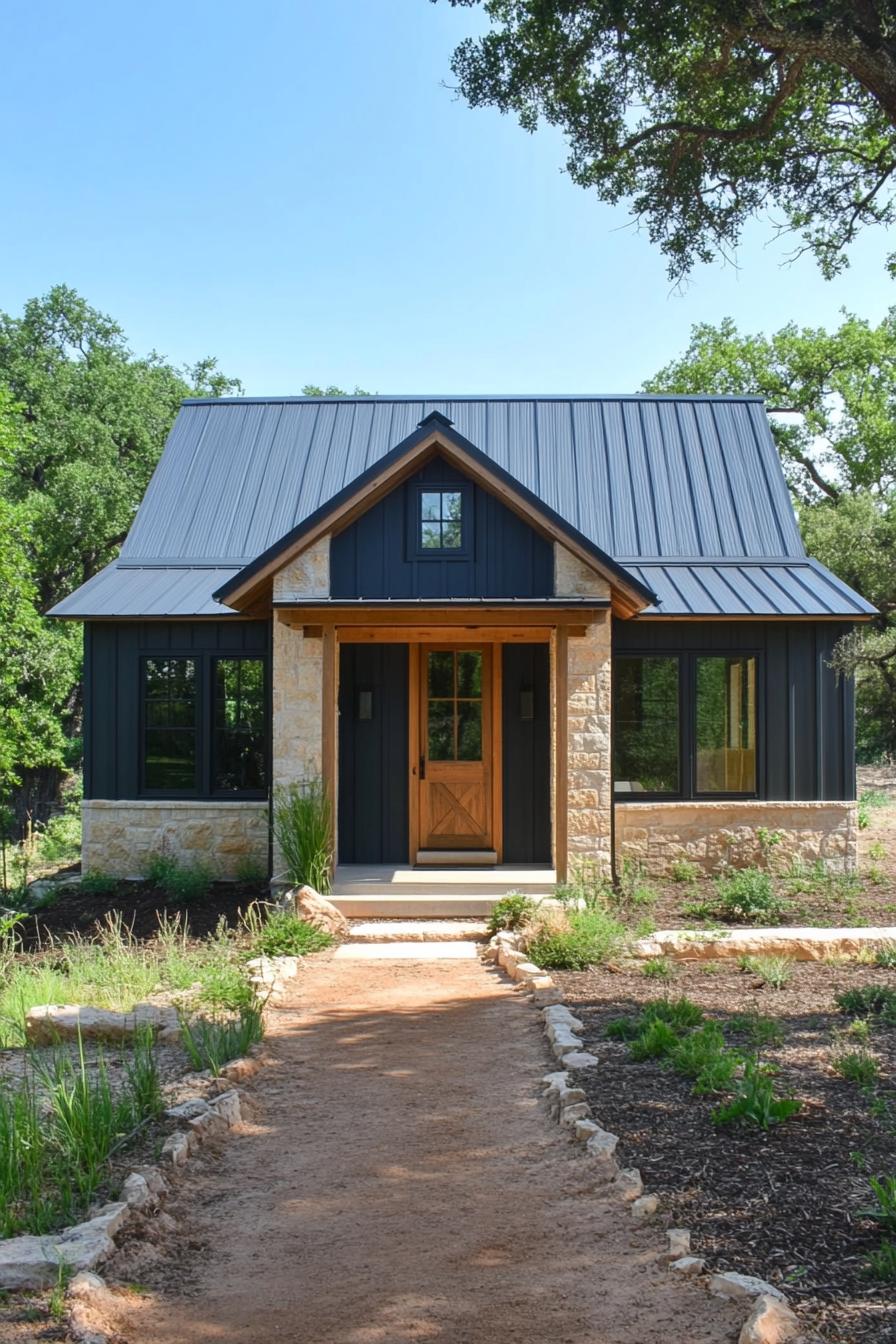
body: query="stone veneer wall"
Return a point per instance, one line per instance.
(588, 709)
(305, 577)
(120, 835)
(589, 799)
(712, 834)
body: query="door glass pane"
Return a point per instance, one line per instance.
(441, 674)
(726, 725)
(441, 730)
(645, 725)
(469, 673)
(469, 730)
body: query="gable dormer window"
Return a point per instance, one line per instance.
(442, 521)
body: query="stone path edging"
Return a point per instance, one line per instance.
(771, 1320)
(803, 944)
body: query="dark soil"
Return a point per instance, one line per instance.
(785, 1205)
(141, 906)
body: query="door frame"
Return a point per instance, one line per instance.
(415, 671)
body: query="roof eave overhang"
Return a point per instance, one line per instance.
(434, 435)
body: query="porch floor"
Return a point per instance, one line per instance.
(390, 891)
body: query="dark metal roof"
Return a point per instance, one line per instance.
(669, 486)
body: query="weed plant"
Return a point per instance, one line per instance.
(756, 1102)
(772, 971)
(180, 882)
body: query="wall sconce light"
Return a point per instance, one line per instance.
(365, 704)
(527, 704)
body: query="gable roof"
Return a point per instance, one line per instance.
(662, 486)
(435, 434)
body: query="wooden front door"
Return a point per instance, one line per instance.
(455, 768)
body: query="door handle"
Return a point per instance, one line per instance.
(422, 767)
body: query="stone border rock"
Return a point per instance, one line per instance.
(771, 1320)
(803, 944)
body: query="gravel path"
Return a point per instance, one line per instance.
(399, 1183)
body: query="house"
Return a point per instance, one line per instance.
(508, 631)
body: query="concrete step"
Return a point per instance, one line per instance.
(419, 931)
(452, 884)
(414, 906)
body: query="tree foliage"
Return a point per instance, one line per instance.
(703, 115)
(837, 439)
(82, 425)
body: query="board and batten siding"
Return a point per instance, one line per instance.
(375, 556)
(805, 712)
(373, 753)
(113, 651)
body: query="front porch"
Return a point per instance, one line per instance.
(388, 891)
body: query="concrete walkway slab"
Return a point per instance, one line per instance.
(445, 951)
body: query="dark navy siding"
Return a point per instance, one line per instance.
(805, 713)
(526, 755)
(373, 754)
(374, 557)
(112, 654)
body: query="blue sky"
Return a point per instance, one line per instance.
(289, 186)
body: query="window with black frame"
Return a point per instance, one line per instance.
(239, 739)
(725, 719)
(646, 738)
(170, 724)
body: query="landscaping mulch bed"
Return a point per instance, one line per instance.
(140, 905)
(784, 1205)
(828, 903)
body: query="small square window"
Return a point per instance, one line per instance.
(440, 520)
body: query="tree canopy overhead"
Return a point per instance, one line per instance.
(838, 446)
(705, 114)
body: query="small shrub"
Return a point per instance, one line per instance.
(303, 828)
(680, 1013)
(211, 1043)
(658, 968)
(702, 910)
(281, 933)
(510, 912)
(580, 938)
(886, 957)
(747, 896)
(772, 971)
(759, 1031)
(877, 851)
(682, 870)
(883, 1211)
(180, 882)
(882, 1262)
(868, 1001)
(656, 1040)
(856, 1066)
(756, 1102)
(97, 883)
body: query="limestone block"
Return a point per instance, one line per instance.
(688, 1265)
(48, 1023)
(580, 1059)
(644, 1207)
(679, 1239)
(739, 1287)
(629, 1184)
(770, 1322)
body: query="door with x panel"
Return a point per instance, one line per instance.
(455, 767)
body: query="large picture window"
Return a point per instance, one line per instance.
(684, 725)
(726, 725)
(239, 731)
(205, 726)
(170, 723)
(646, 728)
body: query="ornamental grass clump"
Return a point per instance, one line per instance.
(211, 1043)
(303, 829)
(574, 939)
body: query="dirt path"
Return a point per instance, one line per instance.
(399, 1182)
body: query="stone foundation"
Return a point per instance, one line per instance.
(710, 835)
(120, 836)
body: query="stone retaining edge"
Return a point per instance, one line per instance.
(771, 1319)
